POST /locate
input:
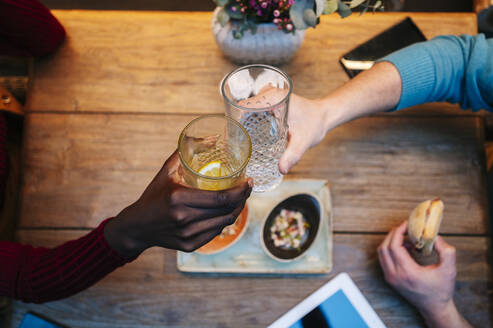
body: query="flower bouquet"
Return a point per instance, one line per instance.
(271, 31)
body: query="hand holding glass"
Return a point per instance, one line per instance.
(257, 96)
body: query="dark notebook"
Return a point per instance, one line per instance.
(397, 37)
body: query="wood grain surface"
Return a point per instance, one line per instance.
(106, 110)
(169, 62)
(150, 292)
(80, 169)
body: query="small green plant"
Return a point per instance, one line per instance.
(288, 15)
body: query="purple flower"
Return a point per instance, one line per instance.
(263, 5)
(233, 8)
(276, 13)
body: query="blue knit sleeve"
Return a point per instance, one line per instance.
(447, 68)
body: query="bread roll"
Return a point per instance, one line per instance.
(424, 223)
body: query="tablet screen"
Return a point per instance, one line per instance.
(337, 304)
(335, 312)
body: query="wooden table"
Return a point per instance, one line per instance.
(105, 112)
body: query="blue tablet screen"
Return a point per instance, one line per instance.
(335, 312)
(31, 320)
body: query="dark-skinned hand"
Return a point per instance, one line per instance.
(172, 215)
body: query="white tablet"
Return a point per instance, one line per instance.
(337, 304)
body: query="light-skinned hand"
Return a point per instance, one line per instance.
(307, 127)
(370, 92)
(429, 288)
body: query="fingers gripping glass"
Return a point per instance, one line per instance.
(257, 96)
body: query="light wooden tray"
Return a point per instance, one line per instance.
(247, 255)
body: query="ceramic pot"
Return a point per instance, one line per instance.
(267, 46)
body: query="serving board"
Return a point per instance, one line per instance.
(248, 256)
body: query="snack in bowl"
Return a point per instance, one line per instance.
(423, 225)
(291, 227)
(229, 236)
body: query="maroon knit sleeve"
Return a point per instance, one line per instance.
(4, 163)
(40, 274)
(28, 28)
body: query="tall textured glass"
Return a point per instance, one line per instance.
(257, 96)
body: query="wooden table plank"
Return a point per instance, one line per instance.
(80, 169)
(380, 168)
(83, 163)
(150, 292)
(168, 62)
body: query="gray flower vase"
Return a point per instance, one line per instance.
(267, 46)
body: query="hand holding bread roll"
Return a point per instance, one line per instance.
(423, 225)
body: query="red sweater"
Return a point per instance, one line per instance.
(27, 28)
(3, 158)
(42, 274)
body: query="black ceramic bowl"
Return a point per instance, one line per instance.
(309, 206)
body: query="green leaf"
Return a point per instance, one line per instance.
(319, 7)
(243, 26)
(252, 26)
(221, 3)
(310, 4)
(222, 17)
(234, 14)
(296, 14)
(330, 6)
(356, 3)
(343, 10)
(377, 5)
(309, 17)
(237, 34)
